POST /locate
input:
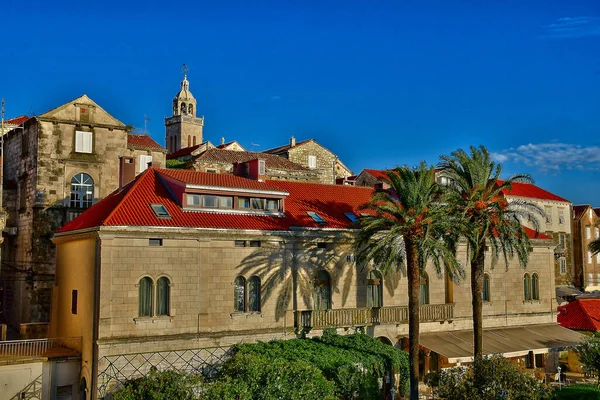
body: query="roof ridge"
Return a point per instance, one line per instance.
(134, 185)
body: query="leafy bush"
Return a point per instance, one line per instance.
(496, 378)
(160, 385)
(176, 164)
(589, 354)
(252, 376)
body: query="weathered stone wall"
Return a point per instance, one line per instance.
(271, 173)
(157, 157)
(326, 160)
(181, 132)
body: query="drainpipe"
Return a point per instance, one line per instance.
(96, 320)
(199, 268)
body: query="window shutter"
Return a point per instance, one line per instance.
(78, 142)
(87, 142)
(144, 160)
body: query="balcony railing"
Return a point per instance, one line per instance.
(37, 349)
(352, 317)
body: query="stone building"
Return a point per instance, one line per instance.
(586, 228)
(59, 164)
(183, 128)
(312, 155)
(179, 265)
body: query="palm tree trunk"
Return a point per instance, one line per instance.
(477, 268)
(414, 276)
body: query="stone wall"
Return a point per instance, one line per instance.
(583, 266)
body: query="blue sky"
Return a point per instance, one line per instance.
(379, 83)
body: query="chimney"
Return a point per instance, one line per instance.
(222, 140)
(154, 164)
(292, 141)
(126, 170)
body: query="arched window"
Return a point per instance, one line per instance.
(254, 294)
(486, 287)
(194, 141)
(374, 290)
(322, 291)
(239, 294)
(424, 289)
(183, 109)
(191, 109)
(145, 297)
(535, 287)
(189, 141)
(527, 287)
(82, 191)
(162, 296)
(175, 109)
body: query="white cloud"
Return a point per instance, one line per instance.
(572, 27)
(552, 156)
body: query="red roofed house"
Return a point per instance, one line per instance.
(57, 164)
(580, 315)
(586, 228)
(174, 267)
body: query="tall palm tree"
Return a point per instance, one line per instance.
(408, 224)
(476, 194)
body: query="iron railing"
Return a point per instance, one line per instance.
(354, 317)
(14, 350)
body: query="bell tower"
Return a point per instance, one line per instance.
(183, 129)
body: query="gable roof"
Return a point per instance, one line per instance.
(142, 141)
(579, 211)
(597, 211)
(281, 149)
(131, 205)
(532, 191)
(379, 174)
(17, 120)
(581, 314)
(84, 99)
(216, 155)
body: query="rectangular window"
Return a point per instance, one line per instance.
(561, 239)
(596, 232)
(598, 258)
(244, 202)
(193, 200)
(209, 201)
(160, 211)
(597, 279)
(83, 142)
(144, 160)
(258, 204)
(563, 265)
(155, 242)
(350, 258)
(225, 202)
(261, 167)
(240, 243)
(316, 217)
(74, 302)
(255, 243)
(312, 162)
(590, 279)
(272, 205)
(589, 257)
(588, 232)
(539, 360)
(351, 216)
(561, 216)
(548, 211)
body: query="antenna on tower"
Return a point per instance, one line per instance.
(146, 119)
(253, 145)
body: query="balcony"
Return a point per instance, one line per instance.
(17, 351)
(353, 317)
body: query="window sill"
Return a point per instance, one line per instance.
(250, 314)
(154, 319)
(532, 302)
(487, 303)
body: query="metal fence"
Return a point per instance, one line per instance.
(32, 349)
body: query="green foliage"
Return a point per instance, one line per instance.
(253, 376)
(341, 359)
(160, 385)
(490, 378)
(577, 392)
(176, 164)
(589, 354)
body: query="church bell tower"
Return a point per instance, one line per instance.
(183, 129)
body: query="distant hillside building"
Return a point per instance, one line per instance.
(586, 228)
(56, 166)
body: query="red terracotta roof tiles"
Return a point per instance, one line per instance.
(186, 151)
(17, 120)
(533, 192)
(578, 211)
(143, 141)
(581, 314)
(377, 174)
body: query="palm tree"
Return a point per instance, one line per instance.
(594, 246)
(476, 194)
(408, 225)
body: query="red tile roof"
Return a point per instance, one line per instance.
(143, 141)
(581, 314)
(379, 174)
(578, 211)
(231, 156)
(532, 235)
(597, 211)
(131, 206)
(186, 151)
(533, 192)
(17, 120)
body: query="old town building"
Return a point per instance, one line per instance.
(183, 128)
(586, 228)
(173, 268)
(57, 164)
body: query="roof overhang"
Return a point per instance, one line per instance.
(518, 341)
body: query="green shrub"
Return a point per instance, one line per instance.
(160, 385)
(176, 164)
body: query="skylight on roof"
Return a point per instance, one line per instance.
(316, 217)
(351, 216)
(160, 210)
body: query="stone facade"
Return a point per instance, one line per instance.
(312, 155)
(79, 143)
(586, 228)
